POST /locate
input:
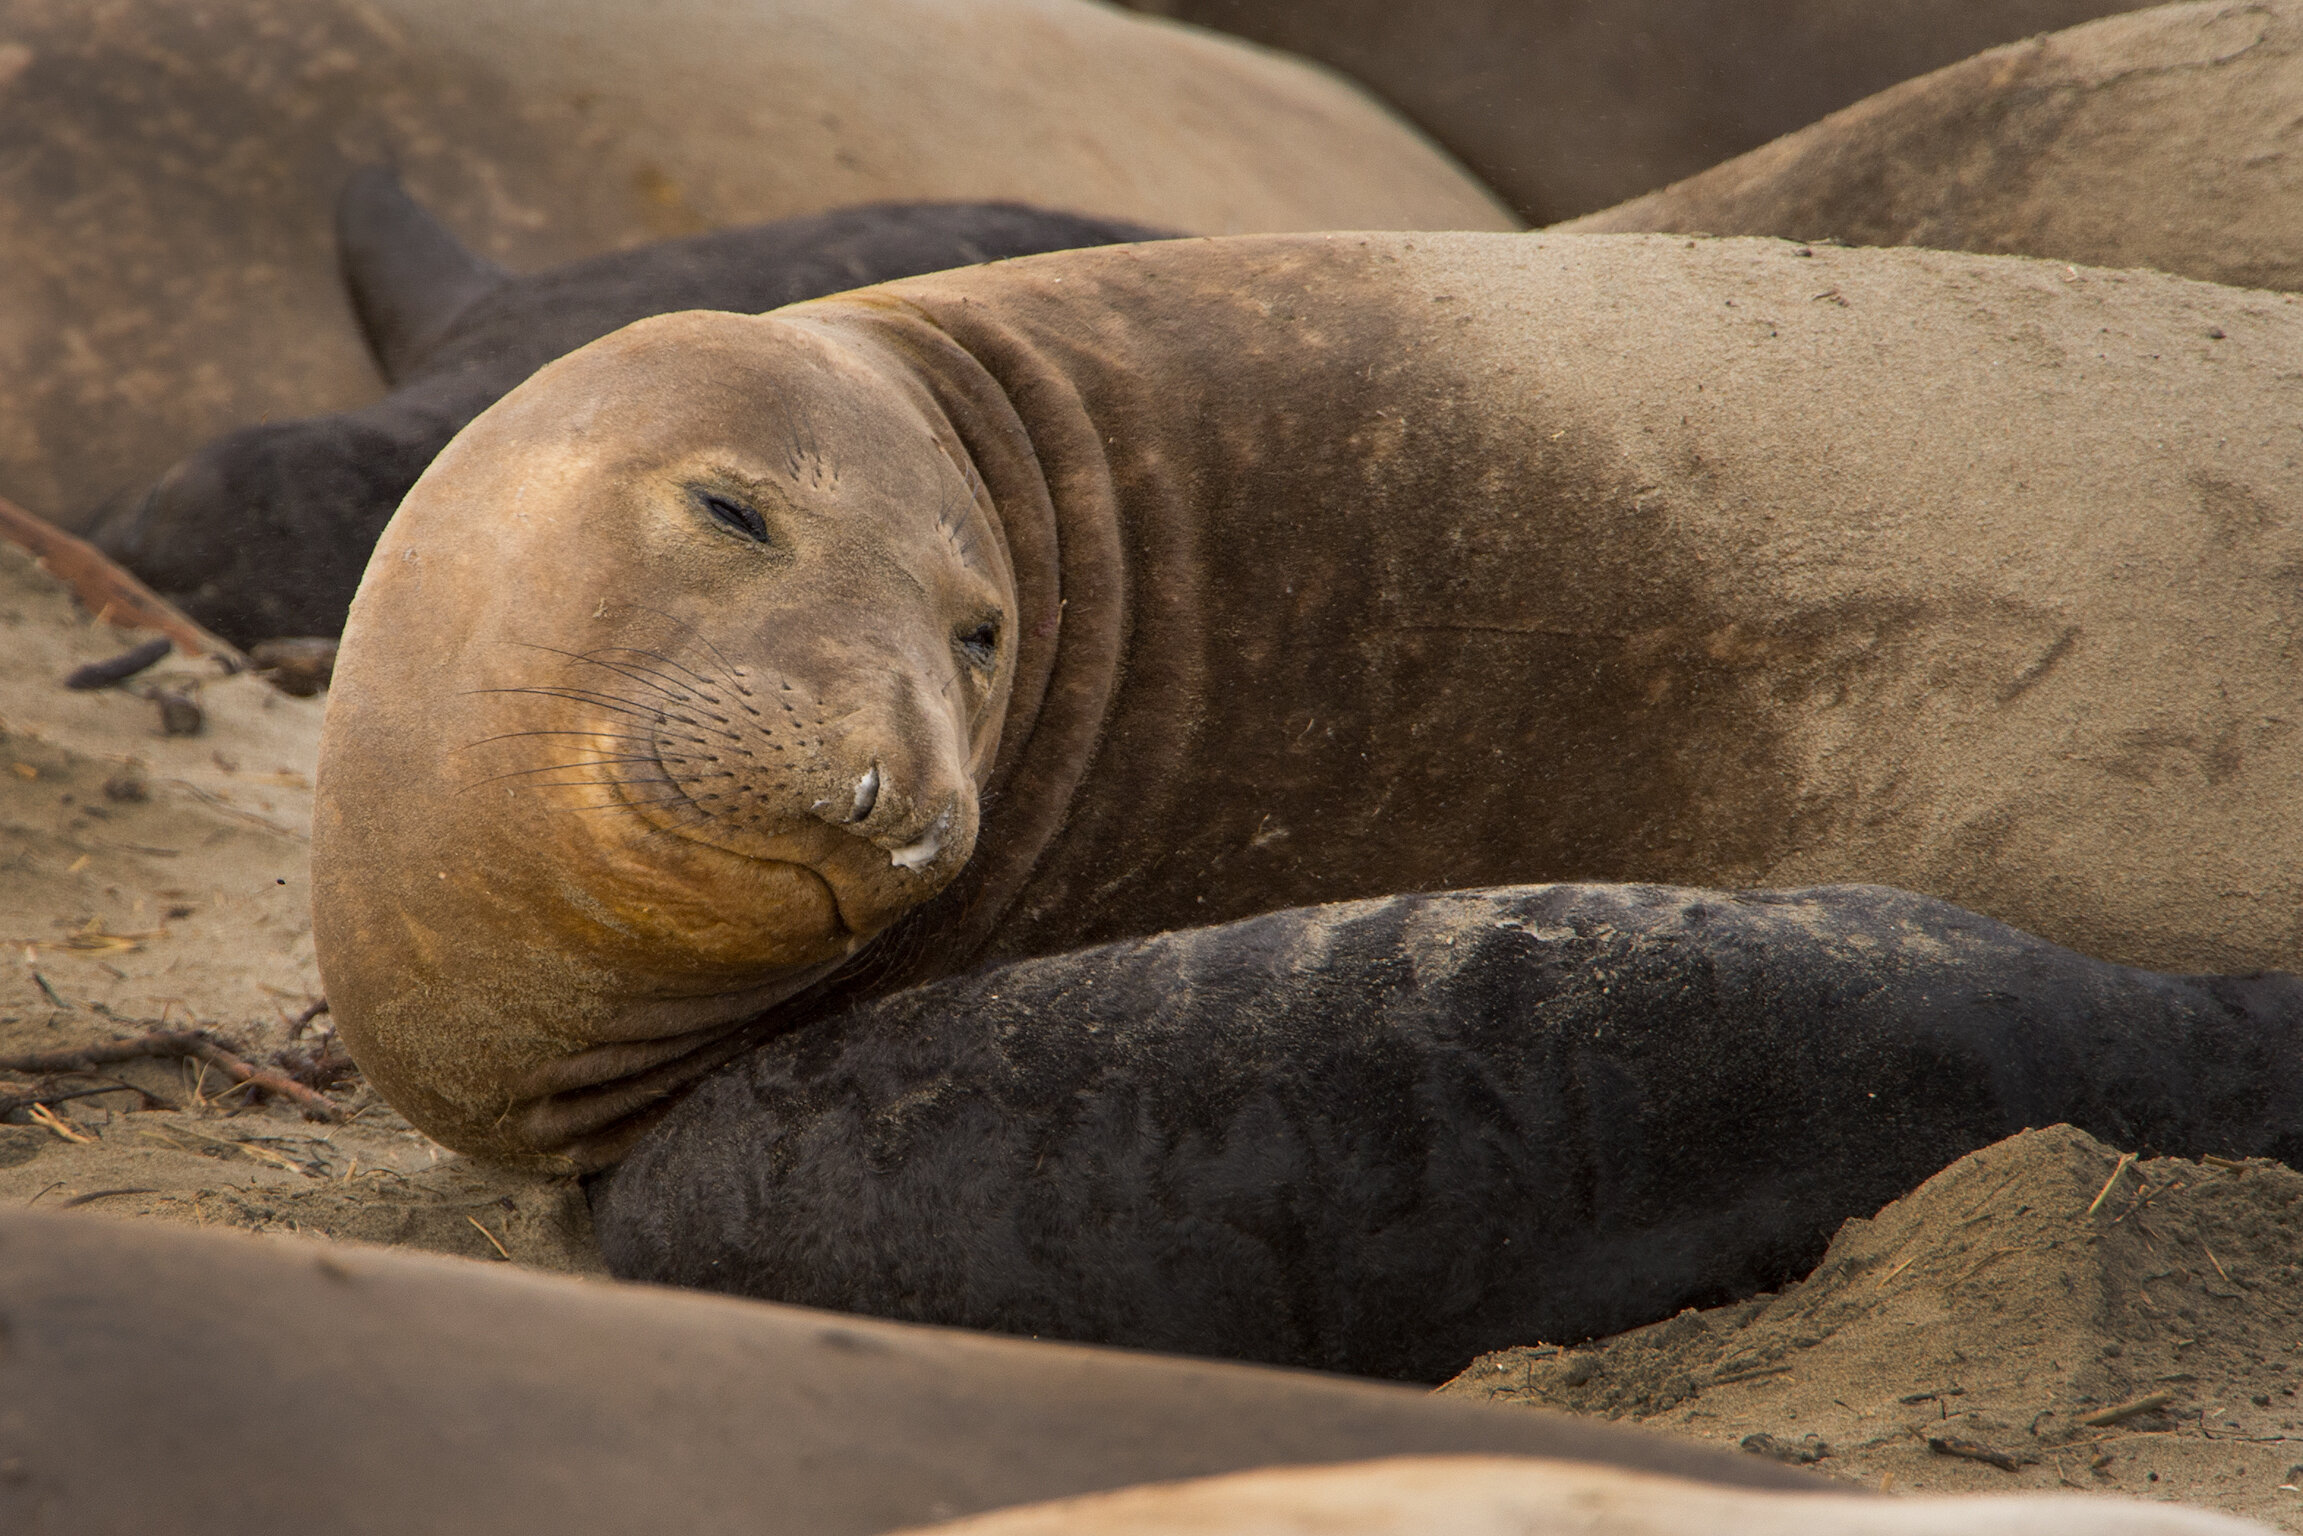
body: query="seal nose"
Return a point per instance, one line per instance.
(867, 796)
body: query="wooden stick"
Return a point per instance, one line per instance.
(191, 1043)
(1968, 1450)
(108, 591)
(2104, 1193)
(2113, 1415)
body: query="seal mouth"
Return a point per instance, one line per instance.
(919, 854)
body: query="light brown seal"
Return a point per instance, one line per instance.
(1565, 106)
(1503, 1496)
(1107, 593)
(165, 265)
(158, 1379)
(2158, 139)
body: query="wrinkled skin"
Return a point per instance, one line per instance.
(754, 706)
(1331, 566)
(264, 532)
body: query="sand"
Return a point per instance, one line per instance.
(1976, 1336)
(148, 878)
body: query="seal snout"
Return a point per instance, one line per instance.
(916, 854)
(913, 829)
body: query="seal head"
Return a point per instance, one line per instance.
(699, 646)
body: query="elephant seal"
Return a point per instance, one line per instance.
(998, 613)
(264, 532)
(1386, 1137)
(2151, 140)
(147, 1368)
(165, 269)
(1565, 106)
(1505, 1496)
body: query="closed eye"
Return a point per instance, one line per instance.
(734, 515)
(980, 644)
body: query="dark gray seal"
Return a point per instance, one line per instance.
(1387, 1136)
(264, 532)
(157, 1379)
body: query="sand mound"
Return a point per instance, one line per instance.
(145, 876)
(1998, 1330)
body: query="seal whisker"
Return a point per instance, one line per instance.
(721, 656)
(517, 735)
(649, 713)
(520, 773)
(622, 805)
(671, 688)
(659, 680)
(634, 650)
(593, 660)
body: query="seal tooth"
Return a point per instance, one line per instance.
(867, 792)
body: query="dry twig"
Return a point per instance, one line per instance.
(186, 1043)
(2104, 1193)
(105, 589)
(2121, 1411)
(1968, 1450)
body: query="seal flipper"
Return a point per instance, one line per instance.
(408, 276)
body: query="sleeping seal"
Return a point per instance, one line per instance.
(2152, 140)
(1385, 1137)
(165, 268)
(1565, 106)
(1002, 612)
(458, 1398)
(264, 532)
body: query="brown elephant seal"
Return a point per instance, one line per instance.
(1565, 106)
(166, 272)
(1503, 1496)
(2158, 139)
(158, 1379)
(1103, 593)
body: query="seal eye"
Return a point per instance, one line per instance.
(735, 516)
(980, 644)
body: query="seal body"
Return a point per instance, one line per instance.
(1174, 583)
(1565, 107)
(264, 532)
(165, 271)
(1385, 1137)
(2148, 140)
(1501, 1496)
(466, 1398)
